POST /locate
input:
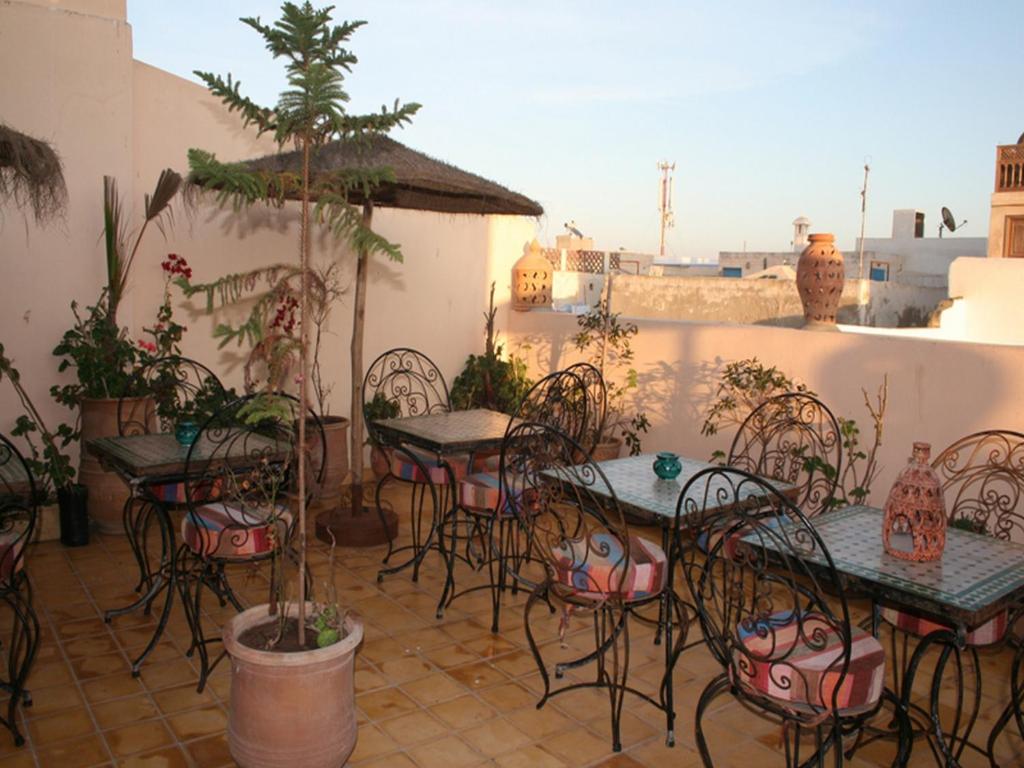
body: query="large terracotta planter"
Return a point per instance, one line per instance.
(607, 449)
(107, 491)
(820, 273)
(336, 436)
(291, 709)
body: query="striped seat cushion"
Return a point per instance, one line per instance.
(404, 467)
(174, 493)
(992, 631)
(12, 543)
(779, 663)
(602, 570)
(224, 531)
(481, 492)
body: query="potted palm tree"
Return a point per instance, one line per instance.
(291, 705)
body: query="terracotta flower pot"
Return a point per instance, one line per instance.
(336, 435)
(607, 449)
(291, 709)
(820, 273)
(379, 462)
(107, 492)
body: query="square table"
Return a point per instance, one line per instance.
(976, 578)
(158, 458)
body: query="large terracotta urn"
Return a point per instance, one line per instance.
(820, 273)
(290, 709)
(107, 491)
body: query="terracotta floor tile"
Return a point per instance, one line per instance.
(211, 752)
(74, 630)
(140, 737)
(530, 757)
(43, 675)
(578, 746)
(408, 668)
(490, 646)
(168, 757)
(396, 760)
(198, 722)
(495, 737)
(46, 701)
(111, 687)
(20, 759)
(96, 666)
(413, 728)
(477, 676)
(63, 725)
(167, 674)
(372, 742)
(77, 753)
(180, 697)
(385, 703)
(431, 690)
(539, 723)
(451, 656)
(119, 712)
(463, 712)
(446, 752)
(508, 696)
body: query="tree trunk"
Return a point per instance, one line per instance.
(356, 427)
(303, 390)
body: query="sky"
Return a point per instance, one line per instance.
(769, 110)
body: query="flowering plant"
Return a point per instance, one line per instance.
(166, 333)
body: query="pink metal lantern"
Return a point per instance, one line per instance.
(915, 512)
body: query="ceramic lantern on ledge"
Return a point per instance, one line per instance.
(531, 280)
(820, 273)
(915, 512)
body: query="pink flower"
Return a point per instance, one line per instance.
(148, 346)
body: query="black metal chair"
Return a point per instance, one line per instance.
(241, 496)
(404, 382)
(592, 564)
(775, 617)
(19, 500)
(597, 404)
(560, 400)
(792, 437)
(982, 480)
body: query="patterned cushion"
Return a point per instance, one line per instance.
(599, 571)
(780, 664)
(480, 492)
(405, 468)
(990, 632)
(174, 493)
(12, 542)
(221, 530)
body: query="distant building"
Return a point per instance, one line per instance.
(744, 263)
(1006, 222)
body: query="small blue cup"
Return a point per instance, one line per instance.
(186, 432)
(667, 466)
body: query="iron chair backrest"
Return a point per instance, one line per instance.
(19, 506)
(559, 400)
(982, 477)
(791, 438)
(756, 582)
(567, 506)
(408, 383)
(597, 403)
(245, 460)
(171, 384)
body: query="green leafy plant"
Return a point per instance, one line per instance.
(47, 461)
(968, 524)
(487, 380)
(607, 342)
(308, 114)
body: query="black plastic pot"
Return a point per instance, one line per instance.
(74, 518)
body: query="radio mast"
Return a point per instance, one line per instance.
(665, 203)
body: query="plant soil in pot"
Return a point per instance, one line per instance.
(291, 708)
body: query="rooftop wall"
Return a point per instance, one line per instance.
(938, 391)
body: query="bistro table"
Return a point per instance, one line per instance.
(444, 435)
(146, 461)
(977, 577)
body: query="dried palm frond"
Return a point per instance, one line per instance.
(31, 174)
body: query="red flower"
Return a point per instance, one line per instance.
(148, 346)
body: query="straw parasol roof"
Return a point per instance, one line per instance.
(31, 174)
(421, 182)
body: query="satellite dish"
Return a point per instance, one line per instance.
(949, 221)
(1021, 139)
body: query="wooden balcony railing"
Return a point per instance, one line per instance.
(1010, 168)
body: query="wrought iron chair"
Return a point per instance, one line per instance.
(19, 499)
(561, 400)
(175, 385)
(404, 382)
(791, 438)
(591, 561)
(597, 403)
(775, 617)
(982, 480)
(241, 497)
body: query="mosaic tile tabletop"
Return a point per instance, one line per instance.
(976, 576)
(160, 454)
(644, 494)
(452, 432)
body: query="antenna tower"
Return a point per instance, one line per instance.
(863, 215)
(665, 203)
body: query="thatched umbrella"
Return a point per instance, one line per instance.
(417, 182)
(31, 174)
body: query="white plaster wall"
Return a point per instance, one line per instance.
(922, 255)
(987, 295)
(938, 390)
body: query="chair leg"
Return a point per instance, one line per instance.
(713, 690)
(539, 593)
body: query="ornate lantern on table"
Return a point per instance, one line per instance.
(915, 512)
(531, 280)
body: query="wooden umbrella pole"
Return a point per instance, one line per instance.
(362, 267)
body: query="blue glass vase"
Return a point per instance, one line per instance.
(186, 432)
(667, 466)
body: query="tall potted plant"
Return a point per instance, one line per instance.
(308, 114)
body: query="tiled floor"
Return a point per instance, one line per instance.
(430, 693)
